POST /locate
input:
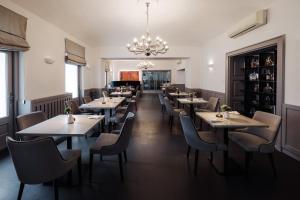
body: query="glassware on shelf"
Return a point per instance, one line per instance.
(268, 75)
(268, 100)
(269, 61)
(254, 63)
(252, 111)
(256, 88)
(268, 88)
(253, 76)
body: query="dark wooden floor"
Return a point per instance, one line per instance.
(157, 169)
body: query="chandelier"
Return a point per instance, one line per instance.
(146, 44)
(145, 65)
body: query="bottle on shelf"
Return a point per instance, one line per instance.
(268, 88)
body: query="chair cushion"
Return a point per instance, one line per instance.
(248, 141)
(211, 137)
(70, 154)
(178, 110)
(104, 140)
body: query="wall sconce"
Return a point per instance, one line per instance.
(211, 65)
(49, 60)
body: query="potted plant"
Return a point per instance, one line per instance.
(225, 108)
(70, 117)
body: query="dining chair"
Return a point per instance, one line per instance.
(258, 139)
(134, 99)
(211, 106)
(87, 99)
(109, 144)
(204, 141)
(162, 102)
(75, 110)
(39, 161)
(31, 119)
(172, 112)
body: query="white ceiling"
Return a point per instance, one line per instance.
(116, 22)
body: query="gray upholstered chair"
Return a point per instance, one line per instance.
(211, 106)
(33, 118)
(87, 99)
(258, 140)
(75, 110)
(135, 99)
(172, 112)
(113, 144)
(162, 102)
(39, 161)
(120, 117)
(200, 141)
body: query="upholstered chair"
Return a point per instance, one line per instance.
(31, 119)
(172, 112)
(204, 141)
(39, 161)
(211, 106)
(113, 144)
(162, 102)
(87, 99)
(258, 140)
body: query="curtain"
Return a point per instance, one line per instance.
(12, 31)
(75, 53)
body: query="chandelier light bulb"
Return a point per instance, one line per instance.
(145, 45)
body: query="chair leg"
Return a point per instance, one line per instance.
(21, 191)
(125, 156)
(273, 164)
(121, 166)
(55, 188)
(188, 151)
(211, 159)
(79, 170)
(172, 121)
(248, 156)
(91, 166)
(196, 163)
(101, 157)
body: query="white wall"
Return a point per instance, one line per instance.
(283, 20)
(41, 79)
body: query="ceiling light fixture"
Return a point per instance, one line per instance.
(145, 65)
(146, 44)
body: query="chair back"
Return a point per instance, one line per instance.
(168, 105)
(269, 133)
(30, 119)
(191, 135)
(87, 99)
(212, 104)
(72, 104)
(125, 133)
(161, 99)
(36, 161)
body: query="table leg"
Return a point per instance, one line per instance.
(225, 153)
(192, 111)
(69, 146)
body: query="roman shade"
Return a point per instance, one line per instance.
(75, 53)
(12, 31)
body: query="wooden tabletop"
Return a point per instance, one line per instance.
(194, 101)
(235, 121)
(110, 103)
(58, 126)
(175, 94)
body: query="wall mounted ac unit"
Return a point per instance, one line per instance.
(253, 22)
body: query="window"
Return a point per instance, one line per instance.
(71, 79)
(3, 85)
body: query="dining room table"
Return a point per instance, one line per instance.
(233, 121)
(192, 102)
(121, 94)
(178, 95)
(59, 126)
(106, 105)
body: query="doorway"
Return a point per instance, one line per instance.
(154, 79)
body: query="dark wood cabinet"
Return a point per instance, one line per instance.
(253, 81)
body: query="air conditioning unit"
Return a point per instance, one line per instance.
(253, 22)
